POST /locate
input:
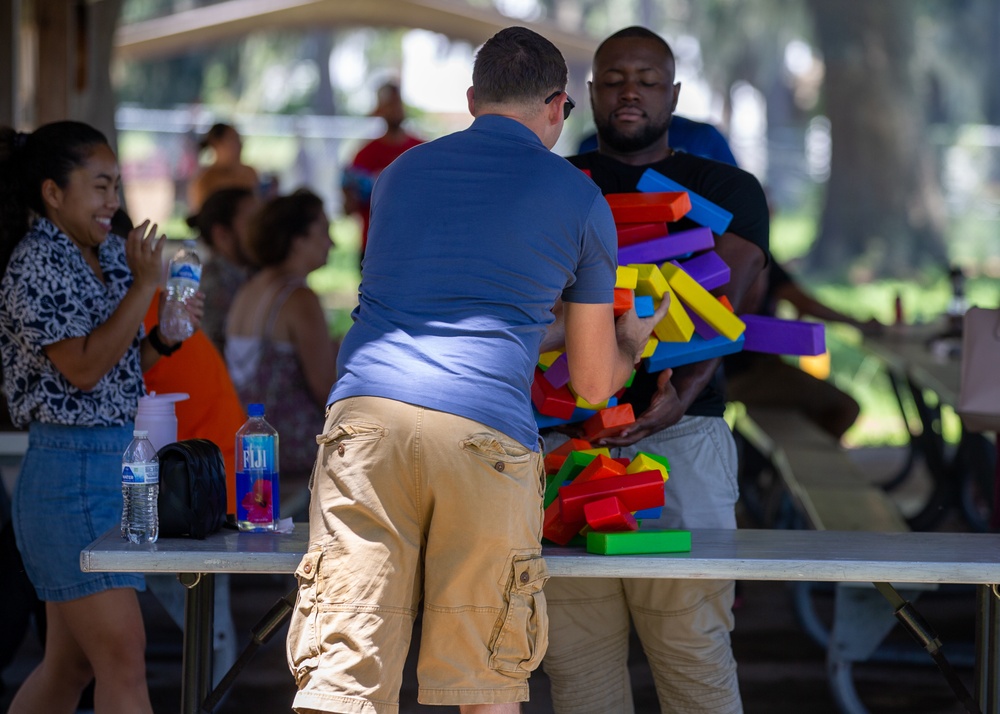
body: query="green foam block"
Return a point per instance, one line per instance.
(636, 542)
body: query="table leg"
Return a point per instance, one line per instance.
(988, 648)
(946, 490)
(196, 663)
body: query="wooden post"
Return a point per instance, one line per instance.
(10, 21)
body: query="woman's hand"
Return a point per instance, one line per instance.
(144, 254)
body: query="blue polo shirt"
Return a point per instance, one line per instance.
(473, 237)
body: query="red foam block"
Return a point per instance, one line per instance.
(654, 207)
(636, 492)
(608, 515)
(608, 421)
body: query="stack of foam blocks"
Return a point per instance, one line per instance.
(587, 492)
(655, 264)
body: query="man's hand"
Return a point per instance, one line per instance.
(665, 409)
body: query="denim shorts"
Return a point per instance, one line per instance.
(412, 504)
(67, 495)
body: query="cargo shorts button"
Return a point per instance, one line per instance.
(340, 449)
(308, 567)
(499, 466)
(524, 577)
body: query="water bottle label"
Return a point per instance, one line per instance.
(257, 481)
(141, 473)
(185, 271)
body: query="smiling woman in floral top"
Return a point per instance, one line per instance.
(72, 299)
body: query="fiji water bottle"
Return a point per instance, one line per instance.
(140, 489)
(256, 473)
(182, 283)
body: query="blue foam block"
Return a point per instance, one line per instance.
(703, 211)
(648, 513)
(697, 349)
(644, 306)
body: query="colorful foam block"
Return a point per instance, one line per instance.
(650, 347)
(648, 514)
(636, 491)
(703, 328)
(645, 461)
(783, 337)
(708, 269)
(671, 246)
(676, 326)
(608, 515)
(649, 206)
(550, 400)
(644, 305)
(601, 467)
(703, 212)
(631, 233)
(608, 421)
(702, 302)
(623, 301)
(576, 461)
(584, 404)
(698, 349)
(626, 277)
(555, 457)
(636, 542)
(596, 450)
(558, 372)
(547, 358)
(556, 529)
(650, 281)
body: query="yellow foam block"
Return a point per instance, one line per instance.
(676, 326)
(703, 303)
(643, 462)
(545, 359)
(651, 344)
(584, 404)
(603, 451)
(650, 281)
(627, 277)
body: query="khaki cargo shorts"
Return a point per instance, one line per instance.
(411, 504)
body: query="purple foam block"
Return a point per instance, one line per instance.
(662, 249)
(558, 372)
(708, 269)
(783, 337)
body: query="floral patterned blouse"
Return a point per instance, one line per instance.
(48, 294)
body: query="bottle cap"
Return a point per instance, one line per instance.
(255, 410)
(140, 433)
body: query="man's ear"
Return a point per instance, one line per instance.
(52, 195)
(677, 94)
(470, 96)
(554, 109)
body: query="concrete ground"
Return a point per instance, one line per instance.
(781, 669)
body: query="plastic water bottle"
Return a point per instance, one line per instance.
(140, 489)
(182, 283)
(257, 473)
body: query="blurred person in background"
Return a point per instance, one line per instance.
(227, 169)
(278, 345)
(374, 156)
(222, 224)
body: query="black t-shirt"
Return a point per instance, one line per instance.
(724, 185)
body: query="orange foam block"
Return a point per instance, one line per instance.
(665, 206)
(623, 301)
(601, 467)
(608, 515)
(555, 458)
(608, 421)
(635, 491)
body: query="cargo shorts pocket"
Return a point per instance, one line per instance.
(302, 644)
(345, 440)
(521, 634)
(501, 452)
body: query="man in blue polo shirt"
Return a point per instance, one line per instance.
(428, 483)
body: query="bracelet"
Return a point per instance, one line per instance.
(159, 345)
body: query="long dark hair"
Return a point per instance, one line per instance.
(279, 222)
(218, 209)
(52, 151)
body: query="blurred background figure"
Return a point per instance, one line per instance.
(227, 169)
(374, 156)
(222, 225)
(278, 345)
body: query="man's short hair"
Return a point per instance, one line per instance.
(515, 65)
(637, 32)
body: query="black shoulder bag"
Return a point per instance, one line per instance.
(192, 500)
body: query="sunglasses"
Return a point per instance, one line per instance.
(567, 107)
